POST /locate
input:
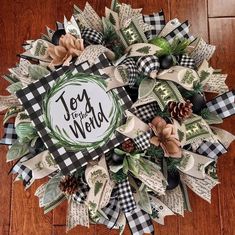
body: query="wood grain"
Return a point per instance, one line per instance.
(195, 11)
(221, 8)
(26, 216)
(21, 20)
(5, 190)
(224, 58)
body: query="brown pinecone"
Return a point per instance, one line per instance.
(69, 185)
(180, 111)
(128, 146)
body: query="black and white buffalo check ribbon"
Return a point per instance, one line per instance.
(125, 196)
(132, 71)
(142, 141)
(81, 195)
(23, 172)
(112, 211)
(139, 222)
(147, 112)
(180, 32)
(212, 150)
(148, 64)
(223, 105)
(157, 20)
(91, 36)
(9, 136)
(187, 61)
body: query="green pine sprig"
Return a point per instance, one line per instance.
(154, 151)
(172, 164)
(205, 113)
(118, 176)
(177, 47)
(197, 88)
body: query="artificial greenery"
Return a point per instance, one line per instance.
(205, 113)
(172, 163)
(158, 153)
(140, 78)
(177, 47)
(112, 40)
(203, 75)
(197, 88)
(154, 151)
(118, 176)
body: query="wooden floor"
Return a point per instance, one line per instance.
(212, 19)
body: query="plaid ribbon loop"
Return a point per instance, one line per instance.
(125, 196)
(112, 210)
(139, 222)
(147, 112)
(212, 150)
(9, 136)
(23, 172)
(132, 70)
(187, 61)
(142, 141)
(157, 20)
(223, 105)
(91, 36)
(180, 32)
(148, 64)
(81, 195)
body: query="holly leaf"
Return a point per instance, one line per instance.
(203, 75)
(180, 134)
(119, 152)
(144, 200)
(36, 71)
(25, 131)
(112, 19)
(17, 150)
(14, 87)
(118, 176)
(52, 191)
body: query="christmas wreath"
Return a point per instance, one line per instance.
(112, 110)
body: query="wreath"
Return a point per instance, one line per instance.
(112, 110)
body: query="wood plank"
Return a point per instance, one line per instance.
(152, 6)
(26, 216)
(61, 230)
(5, 189)
(195, 11)
(204, 218)
(195, 223)
(219, 8)
(221, 31)
(7, 45)
(30, 18)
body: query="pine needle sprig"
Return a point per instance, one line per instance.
(178, 46)
(172, 164)
(154, 151)
(205, 113)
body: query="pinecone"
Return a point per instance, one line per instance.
(128, 146)
(180, 111)
(69, 184)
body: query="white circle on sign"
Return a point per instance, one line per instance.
(82, 112)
